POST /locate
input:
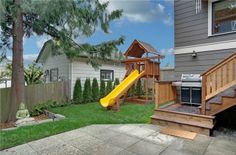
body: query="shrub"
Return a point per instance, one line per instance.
(39, 108)
(95, 90)
(117, 82)
(102, 88)
(109, 87)
(78, 94)
(87, 94)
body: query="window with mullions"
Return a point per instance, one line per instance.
(224, 16)
(54, 74)
(107, 75)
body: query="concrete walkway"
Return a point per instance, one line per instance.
(123, 140)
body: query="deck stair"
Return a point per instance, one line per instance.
(221, 102)
(184, 121)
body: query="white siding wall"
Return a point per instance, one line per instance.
(60, 62)
(80, 69)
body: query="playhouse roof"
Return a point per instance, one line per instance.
(138, 48)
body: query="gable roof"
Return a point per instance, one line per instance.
(138, 48)
(46, 49)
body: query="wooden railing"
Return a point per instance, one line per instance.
(218, 78)
(165, 93)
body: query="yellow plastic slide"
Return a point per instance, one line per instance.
(110, 99)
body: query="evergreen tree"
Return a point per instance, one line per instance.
(109, 87)
(78, 94)
(87, 93)
(102, 89)
(116, 83)
(63, 20)
(95, 90)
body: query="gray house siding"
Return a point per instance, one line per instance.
(185, 63)
(192, 28)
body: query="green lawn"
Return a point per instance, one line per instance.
(77, 116)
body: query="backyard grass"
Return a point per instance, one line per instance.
(77, 116)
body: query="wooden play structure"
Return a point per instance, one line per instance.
(218, 93)
(143, 66)
(142, 56)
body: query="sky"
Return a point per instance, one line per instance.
(150, 21)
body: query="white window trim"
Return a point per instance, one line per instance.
(210, 20)
(210, 17)
(229, 44)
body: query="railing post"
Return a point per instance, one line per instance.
(203, 109)
(157, 95)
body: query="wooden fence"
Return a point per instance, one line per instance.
(165, 93)
(34, 94)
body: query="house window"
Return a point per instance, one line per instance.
(107, 75)
(54, 74)
(223, 16)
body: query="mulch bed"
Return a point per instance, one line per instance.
(7, 125)
(40, 117)
(12, 124)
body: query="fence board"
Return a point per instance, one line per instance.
(34, 94)
(165, 92)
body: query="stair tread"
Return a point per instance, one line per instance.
(183, 121)
(227, 93)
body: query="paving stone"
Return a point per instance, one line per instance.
(63, 149)
(141, 132)
(169, 151)
(218, 152)
(67, 136)
(125, 152)
(124, 128)
(45, 143)
(144, 147)
(18, 150)
(122, 140)
(85, 143)
(220, 144)
(190, 146)
(151, 127)
(159, 138)
(104, 149)
(93, 129)
(106, 134)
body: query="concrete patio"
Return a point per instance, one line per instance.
(124, 140)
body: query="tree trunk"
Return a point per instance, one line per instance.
(18, 83)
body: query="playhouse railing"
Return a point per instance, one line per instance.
(218, 78)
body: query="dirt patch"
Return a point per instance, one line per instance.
(40, 117)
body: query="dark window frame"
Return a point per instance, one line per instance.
(57, 71)
(107, 70)
(212, 21)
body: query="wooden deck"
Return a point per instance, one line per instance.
(183, 117)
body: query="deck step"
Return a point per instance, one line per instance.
(191, 122)
(228, 102)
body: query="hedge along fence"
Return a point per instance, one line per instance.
(34, 94)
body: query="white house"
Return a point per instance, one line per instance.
(59, 67)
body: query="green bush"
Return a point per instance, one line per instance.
(102, 89)
(109, 87)
(39, 108)
(117, 82)
(87, 93)
(95, 90)
(78, 94)
(137, 89)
